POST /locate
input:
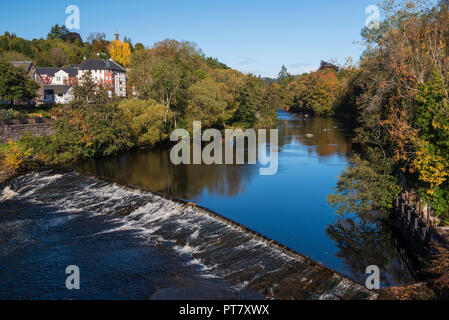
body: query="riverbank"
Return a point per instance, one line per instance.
(433, 270)
(5, 174)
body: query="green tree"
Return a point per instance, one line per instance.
(87, 92)
(206, 104)
(283, 74)
(249, 99)
(58, 32)
(146, 119)
(15, 84)
(366, 185)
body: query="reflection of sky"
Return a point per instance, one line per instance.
(289, 207)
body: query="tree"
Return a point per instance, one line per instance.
(130, 42)
(139, 46)
(230, 83)
(91, 126)
(250, 99)
(146, 120)
(366, 185)
(59, 57)
(168, 78)
(15, 84)
(215, 64)
(206, 104)
(98, 42)
(140, 77)
(276, 96)
(120, 52)
(58, 32)
(283, 74)
(87, 92)
(316, 92)
(328, 65)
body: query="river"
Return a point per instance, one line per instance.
(132, 244)
(289, 207)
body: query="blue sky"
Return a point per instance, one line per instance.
(248, 35)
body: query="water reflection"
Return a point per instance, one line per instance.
(362, 244)
(325, 136)
(289, 207)
(153, 170)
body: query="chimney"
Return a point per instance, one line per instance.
(117, 36)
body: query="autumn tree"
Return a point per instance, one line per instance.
(98, 42)
(316, 92)
(402, 94)
(120, 52)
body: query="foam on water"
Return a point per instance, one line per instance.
(7, 193)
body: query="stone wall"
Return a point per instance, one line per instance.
(14, 129)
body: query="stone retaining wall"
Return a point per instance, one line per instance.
(14, 129)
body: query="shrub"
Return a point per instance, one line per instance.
(6, 114)
(147, 120)
(83, 133)
(15, 157)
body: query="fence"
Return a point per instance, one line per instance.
(414, 222)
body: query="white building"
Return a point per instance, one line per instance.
(58, 76)
(59, 81)
(106, 73)
(61, 94)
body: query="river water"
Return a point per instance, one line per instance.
(132, 244)
(289, 207)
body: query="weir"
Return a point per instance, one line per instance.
(216, 248)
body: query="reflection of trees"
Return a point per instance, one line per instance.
(328, 137)
(363, 244)
(154, 171)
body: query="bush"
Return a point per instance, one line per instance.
(83, 133)
(15, 157)
(6, 114)
(148, 121)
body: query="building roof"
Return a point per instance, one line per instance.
(25, 64)
(47, 71)
(57, 89)
(72, 72)
(100, 64)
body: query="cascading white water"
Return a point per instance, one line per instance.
(219, 248)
